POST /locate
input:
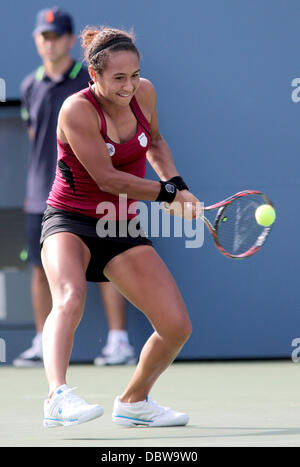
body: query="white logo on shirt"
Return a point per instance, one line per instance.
(143, 140)
(111, 149)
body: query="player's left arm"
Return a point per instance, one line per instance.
(159, 154)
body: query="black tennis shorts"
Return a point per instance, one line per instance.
(102, 249)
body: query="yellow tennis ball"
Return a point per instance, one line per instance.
(265, 215)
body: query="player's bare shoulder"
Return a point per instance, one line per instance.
(77, 111)
(78, 106)
(146, 97)
(146, 91)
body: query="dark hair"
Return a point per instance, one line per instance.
(94, 38)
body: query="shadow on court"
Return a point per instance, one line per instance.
(251, 433)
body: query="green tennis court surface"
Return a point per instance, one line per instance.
(229, 403)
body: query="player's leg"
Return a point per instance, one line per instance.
(144, 279)
(65, 258)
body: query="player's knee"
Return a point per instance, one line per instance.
(74, 298)
(181, 330)
(186, 330)
(70, 302)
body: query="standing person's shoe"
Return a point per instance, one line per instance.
(32, 357)
(119, 353)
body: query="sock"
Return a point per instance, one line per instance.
(61, 389)
(57, 391)
(135, 404)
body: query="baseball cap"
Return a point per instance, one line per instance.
(53, 19)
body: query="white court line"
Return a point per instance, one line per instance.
(3, 310)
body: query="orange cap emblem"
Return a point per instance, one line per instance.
(50, 16)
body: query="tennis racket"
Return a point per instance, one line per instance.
(235, 230)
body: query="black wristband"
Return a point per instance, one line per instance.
(179, 183)
(167, 192)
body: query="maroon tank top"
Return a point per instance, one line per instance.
(75, 190)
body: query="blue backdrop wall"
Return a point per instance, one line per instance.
(224, 71)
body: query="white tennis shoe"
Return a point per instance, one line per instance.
(118, 353)
(66, 409)
(146, 413)
(32, 357)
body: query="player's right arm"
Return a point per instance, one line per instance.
(79, 125)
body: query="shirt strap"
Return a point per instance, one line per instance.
(139, 115)
(88, 94)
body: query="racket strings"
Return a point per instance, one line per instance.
(237, 228)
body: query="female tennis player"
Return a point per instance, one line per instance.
(104, 135)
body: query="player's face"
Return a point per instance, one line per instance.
(121, 78)
(53, 47)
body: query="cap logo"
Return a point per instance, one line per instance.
(50, 16)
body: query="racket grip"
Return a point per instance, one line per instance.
(176, 209)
